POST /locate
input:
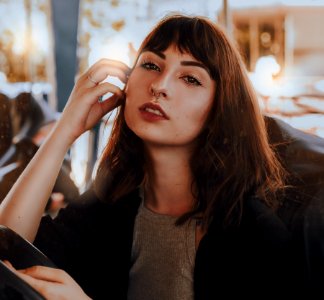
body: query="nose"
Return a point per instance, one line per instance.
(157, 93)
(159, 87)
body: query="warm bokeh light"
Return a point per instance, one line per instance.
(113, 48)
(79, 163)
(263, 77)
(25, 39)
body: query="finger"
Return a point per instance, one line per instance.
(99, 109)
(41, 286)
(46, 273)
(34, 282)
(110, 104)
(105, 88)
(100, 72)
(8, 264)
(95, 77)
(110, 62)
(93, 95)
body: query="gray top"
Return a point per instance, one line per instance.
(163, 257)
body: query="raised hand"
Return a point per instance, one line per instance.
(83, 110)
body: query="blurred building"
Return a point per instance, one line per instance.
(284, 52)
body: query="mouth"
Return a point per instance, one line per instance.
(154, 109)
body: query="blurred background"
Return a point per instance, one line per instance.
(45, 44)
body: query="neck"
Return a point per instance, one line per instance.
(168, 188)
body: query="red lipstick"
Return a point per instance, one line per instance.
(153, 112)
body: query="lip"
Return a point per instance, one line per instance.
(151, 116)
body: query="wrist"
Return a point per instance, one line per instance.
(62, 136)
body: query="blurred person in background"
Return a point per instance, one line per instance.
(28, 122)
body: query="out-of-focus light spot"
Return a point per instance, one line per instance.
(19, 46)
(80, 157)
(3, 77)
(266, 67)
(265, 38)
(40, 42)
(116, 48)
(319, 85)
(41, 88)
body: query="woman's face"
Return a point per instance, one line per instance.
(168, 98)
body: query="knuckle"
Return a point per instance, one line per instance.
(33, 269)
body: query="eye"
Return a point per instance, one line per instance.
(148, 65)
(191, 80)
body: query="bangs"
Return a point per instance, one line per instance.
(171, 33)
(188, 35)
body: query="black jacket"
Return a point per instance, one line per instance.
(262, 257)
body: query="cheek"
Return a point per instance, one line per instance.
(195, 117)
(132, 89)
(130, 92)
(131, 104)
(199, 108)
(136, 85)
(128, 112)
(207, 105)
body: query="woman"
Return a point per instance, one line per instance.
(185, 203)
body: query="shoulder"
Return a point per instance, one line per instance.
(85, 222)
(260, 230)
(305, 218)
(262, 243)
(89, 209)
(266, 219)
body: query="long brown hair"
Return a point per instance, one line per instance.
(233, 157)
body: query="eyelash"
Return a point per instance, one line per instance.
(148, 65)
(191, 80)
(188, 79)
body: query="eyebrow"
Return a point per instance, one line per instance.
(158, 53)
(184, 62)
(194, 63)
